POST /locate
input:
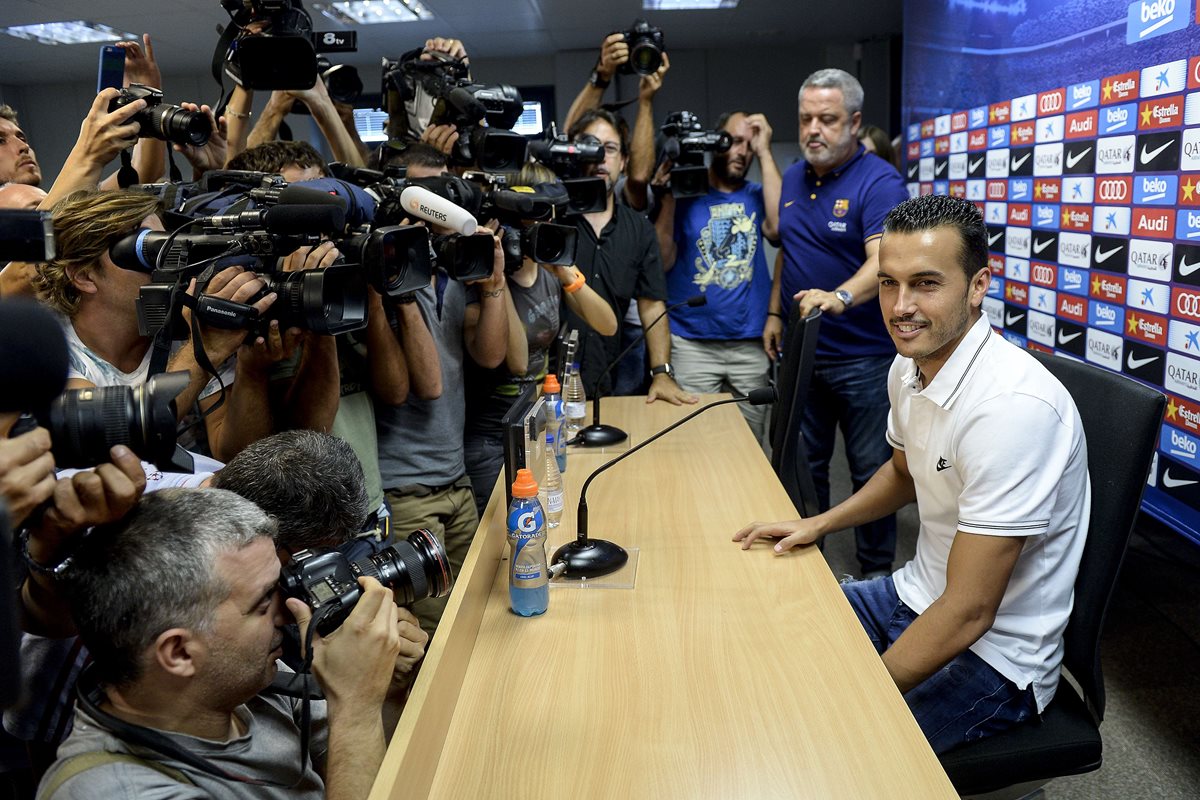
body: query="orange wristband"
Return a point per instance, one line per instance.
(576, 285)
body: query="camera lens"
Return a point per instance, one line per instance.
(331, 300)
(177, 125)
(414, 569)
(85, 424)
(645, 57)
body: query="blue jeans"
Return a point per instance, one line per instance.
(852, 394)
(964, 701)
(631, 375)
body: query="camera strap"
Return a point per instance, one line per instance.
(127, 175)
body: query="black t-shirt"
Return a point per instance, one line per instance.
(621, 264)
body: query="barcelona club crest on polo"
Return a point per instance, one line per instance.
(841, 207)
(727, 245)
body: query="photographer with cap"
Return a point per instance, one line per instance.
(180, 607)
(536, 295)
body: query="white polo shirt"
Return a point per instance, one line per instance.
(995, 447)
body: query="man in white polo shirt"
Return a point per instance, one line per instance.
(990, 446)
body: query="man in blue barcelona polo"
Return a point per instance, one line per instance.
(831, 214)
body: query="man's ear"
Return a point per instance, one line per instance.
(855, 123)
(83, 280)
(979, 286)
(176, 651)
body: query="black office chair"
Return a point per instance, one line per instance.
(789, 457)
(1120, 423)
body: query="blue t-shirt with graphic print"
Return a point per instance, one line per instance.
(720, 255)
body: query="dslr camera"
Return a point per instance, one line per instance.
(327, 581)
(283, 55)
(645, 48)
(157, 121)
(685, 144)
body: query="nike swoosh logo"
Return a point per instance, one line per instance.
(940, 168)
(912, 171)
(1074, 158)
(974, 165)
(1175, 483)
(1138, 363)
(993, 239)
(1038, 247)
(1012, 319)
(1064, 338)
(1105, 255)
(1016, 163)
(1185, 268)
(1148, 156)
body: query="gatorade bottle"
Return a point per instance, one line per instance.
(553, 396)
(528, 577)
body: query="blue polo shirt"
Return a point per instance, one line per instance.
(824, 223)
(720, 255)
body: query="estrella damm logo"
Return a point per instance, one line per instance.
(841, 207)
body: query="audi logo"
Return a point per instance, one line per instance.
(1188, 304)
(1049, 103)
(1113, 190)
(1042, 274)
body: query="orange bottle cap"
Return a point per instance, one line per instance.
(524, 485)
(550, 385)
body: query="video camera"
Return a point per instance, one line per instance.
(685, 145)
(327, 581)
(166, 122)
(26, 235)
(444, 86)
(283, 53)
(571, 161)
(645, 48)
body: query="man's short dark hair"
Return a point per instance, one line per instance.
(723, 120)
(155, 570)
(273, 157)
(602, 115)
(937, 211)
(421, 154)
(311, 483)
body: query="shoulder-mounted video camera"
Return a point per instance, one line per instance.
(685, 144)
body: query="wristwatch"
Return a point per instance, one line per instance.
(598, 80)
(663, 368)
(845, 296)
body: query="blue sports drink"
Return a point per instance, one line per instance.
(552, 393)
(528, 576)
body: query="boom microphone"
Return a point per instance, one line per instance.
(591, 558)
(420, 202)
(597, 435)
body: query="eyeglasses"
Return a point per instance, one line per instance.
(612, 148)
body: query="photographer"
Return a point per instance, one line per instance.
(618, 256)
(536, 294)
(714, 244)
(321, 106)
(614, 54)
(421, 442)
(99, 298)
(178, 604)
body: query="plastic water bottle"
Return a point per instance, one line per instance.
(550, 493)
(528, 576)
(552, 395)
(574, 400)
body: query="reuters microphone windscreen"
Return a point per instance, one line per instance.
(423, 204)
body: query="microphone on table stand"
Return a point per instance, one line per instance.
(590, 558)
(597, 435)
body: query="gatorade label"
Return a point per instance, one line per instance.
(526, 525)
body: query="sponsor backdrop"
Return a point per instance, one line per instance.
(1075, 126)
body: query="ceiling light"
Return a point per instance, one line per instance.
(78, 31)
(370, 12)
(687, 5)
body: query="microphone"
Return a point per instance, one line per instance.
(33, 360)
(282, 219)
(590, 558)
(420, 202)
(597, 435)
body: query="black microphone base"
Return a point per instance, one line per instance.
(600, 436)
(590, 559)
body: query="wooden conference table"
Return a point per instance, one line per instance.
(720, 674)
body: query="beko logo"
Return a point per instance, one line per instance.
(1113, 190)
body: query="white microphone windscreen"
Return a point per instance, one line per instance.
(423, 204)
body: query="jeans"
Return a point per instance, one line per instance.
(483, 455)
(631, 375)
(852, 394)
(964, 701)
